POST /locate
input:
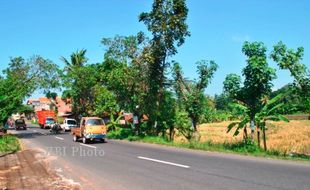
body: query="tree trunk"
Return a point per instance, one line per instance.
(196, 134)
(171, 133)
(245, 134)
(264, 138)
(258, 136)
(194, 122)
(252, 126)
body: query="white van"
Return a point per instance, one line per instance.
(68, 124)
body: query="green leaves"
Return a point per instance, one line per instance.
(191, 94)
(240, 125)
(166, 21)
(77, 59)
(232, 86)
(205, 71)
(23, 77)
(291, 60)
(257, 79)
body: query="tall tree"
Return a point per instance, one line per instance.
(291, 60)
(21, 78)
(79, 79)
(124, 72)
(166, 22)
(191, 93)
(257, 81)
(77, 59)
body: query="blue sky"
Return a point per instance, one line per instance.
(56, 28)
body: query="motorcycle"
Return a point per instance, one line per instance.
(55, 129)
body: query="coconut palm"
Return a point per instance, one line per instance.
(77, 59)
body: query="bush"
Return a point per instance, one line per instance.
(120, 133)
(9, 143)
(184, 125)
(213, 115)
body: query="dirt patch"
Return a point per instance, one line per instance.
(27, 170)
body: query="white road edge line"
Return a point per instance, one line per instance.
(59, 138)
(163, 162)
(90, 146)
(35, 131)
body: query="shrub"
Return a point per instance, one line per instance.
(9, 143)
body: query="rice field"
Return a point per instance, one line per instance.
(292, 137)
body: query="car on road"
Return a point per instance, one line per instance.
(20, 124)
(46, 118)
(49, 122)
(90, 128)
(68, 124)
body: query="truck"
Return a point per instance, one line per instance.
(46, 118)
(90, 129)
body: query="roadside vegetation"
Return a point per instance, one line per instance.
(138, 75)
(285, 140)
(9, 143)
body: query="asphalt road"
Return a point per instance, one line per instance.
(128, 165)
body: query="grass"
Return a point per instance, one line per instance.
(284, 140)
(238, 148)
(34, 122)
(9, 143)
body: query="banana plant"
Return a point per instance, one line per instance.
(269, 113)
(245, 119)
(114, 124)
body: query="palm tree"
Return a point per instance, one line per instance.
(73, 70)
(77, 59)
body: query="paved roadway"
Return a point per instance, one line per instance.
(128, 165)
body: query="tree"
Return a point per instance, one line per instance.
(184, 125)
(257, 83)
(166, 22)
(51, 95)
(291, 60)
(77, 59)
(23, 77)
(222, 101)
(292, 100)
(105, 101)
(191, 93)
(79, 79)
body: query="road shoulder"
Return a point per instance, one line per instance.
(29, 169)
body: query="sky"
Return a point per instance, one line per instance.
(54, 28)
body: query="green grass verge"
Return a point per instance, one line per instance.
(9, 143)
(34, 122)
(238, 148)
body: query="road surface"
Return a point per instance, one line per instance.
(129, 165)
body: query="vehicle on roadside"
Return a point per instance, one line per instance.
(46, 118)
(68, 124)
(90, 129)
(49, 122)
(55, 128)
(20, 124)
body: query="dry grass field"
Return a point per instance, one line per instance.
(281, 136)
